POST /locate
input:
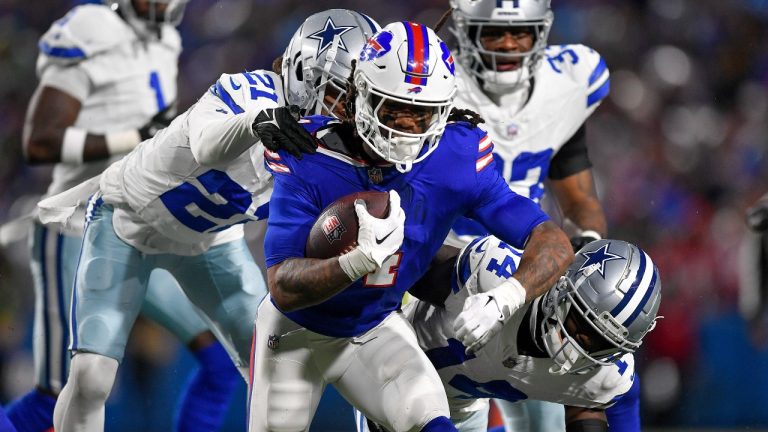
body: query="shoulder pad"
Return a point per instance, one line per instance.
(85, 31)
(585, 66)
(255, 90)
(171, 37)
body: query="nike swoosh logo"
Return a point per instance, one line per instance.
(234, 83)
(381, 240)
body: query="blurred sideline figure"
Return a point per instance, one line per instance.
(572, 346)
(337, 320)
(753, 272)
(178, 202)
(107, 80)
(535, 100)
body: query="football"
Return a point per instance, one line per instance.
(335, 231)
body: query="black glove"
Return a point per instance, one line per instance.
(160, 121)
(579, 241)
(278, 128)
(757, 215)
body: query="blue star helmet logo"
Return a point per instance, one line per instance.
(598, 258)
(325, 36)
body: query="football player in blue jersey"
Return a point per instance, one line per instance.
(178, 202)
(94, 103)
(536, 99)
(337, 320)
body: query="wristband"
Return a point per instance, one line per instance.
(122, 142)
(509, 296)
(72, 145)
(592, 234)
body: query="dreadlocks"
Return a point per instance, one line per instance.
(441, 22)
(465, 115)
(349, 99)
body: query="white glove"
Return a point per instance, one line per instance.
(484, 314)
(377, 239)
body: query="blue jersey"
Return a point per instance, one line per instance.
(457, 179)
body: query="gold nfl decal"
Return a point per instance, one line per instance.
(333, 228)
(273, 342)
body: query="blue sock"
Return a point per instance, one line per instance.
(208, 392)
(439, 424)
(5, 424)
(33, 412)
(624, 415)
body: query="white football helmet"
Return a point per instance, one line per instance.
(320, 55)
(405, 63)
(612, 289)
(470, 16)
(149, 25)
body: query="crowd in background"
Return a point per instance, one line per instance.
(679, 150)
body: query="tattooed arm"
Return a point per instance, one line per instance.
(302, 282)
(546, 256)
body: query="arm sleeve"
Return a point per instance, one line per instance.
(71, 80)
(572, 157)
(292, 212)
(505, 214)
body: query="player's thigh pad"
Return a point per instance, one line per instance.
(109, 289)
(226, 285)
(167, 305)
(391, 380)
(285, 385)
(54, 259)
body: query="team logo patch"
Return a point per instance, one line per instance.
(448, 58)
(415, 90)
(333, 228)
(512, 130)
(273, 342)
(377, 46)
(375, 175)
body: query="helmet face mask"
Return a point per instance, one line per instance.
(148, 16)
(602, 308)
(318, 60)
(473, 17)
(407, 68)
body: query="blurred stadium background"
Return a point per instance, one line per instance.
(679, 149)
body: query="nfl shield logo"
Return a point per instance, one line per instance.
(512, 130)
(333, 228)
(273, 342)
(375, 175)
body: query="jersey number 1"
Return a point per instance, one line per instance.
(385, 276)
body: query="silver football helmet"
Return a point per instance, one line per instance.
(320, 56)
(611, 290)
(471, 16)
(148, 23)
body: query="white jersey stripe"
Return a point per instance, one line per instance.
(483, 162)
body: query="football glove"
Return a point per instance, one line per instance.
(160, 121)
(484, 314)
(278, 128)
(581, 240)
(377, 239)
(757, 215)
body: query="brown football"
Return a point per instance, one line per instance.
(335, 231)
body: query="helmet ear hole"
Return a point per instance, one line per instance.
(298, 70)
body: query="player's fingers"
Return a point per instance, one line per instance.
(361, 209)
(286, 144)
(301, 138)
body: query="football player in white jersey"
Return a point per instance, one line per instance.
(107, 80)
(572, 346)
(535, 99)
(178, 202)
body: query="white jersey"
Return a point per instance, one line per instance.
(131, 80)
(184, 190)
(569, 84)
(498, 370)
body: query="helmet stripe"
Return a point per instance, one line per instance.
(643, 302)
(370, 22)
(638, 290)
(628, 296)
(418, 53)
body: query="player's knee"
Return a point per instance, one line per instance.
(288, 406)
(92, 376)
